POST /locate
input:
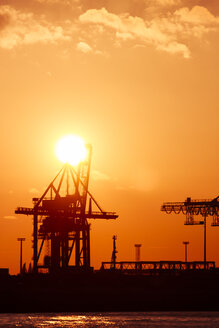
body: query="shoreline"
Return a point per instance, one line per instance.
(109, 292)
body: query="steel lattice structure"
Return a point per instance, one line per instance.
(155, 267)
(114, 252)
(191, 208)
(60, 218)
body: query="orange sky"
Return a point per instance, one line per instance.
(139, 81)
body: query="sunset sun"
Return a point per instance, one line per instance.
(71, 149)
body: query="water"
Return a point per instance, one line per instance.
(115, 320)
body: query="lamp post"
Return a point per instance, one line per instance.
(185, 243)
(21, 241)
(137, 252)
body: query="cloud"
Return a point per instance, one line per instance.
(124, 36)
(84, 47)
(168, 32)
(97, 175)
(185, 22)
(130, 27)
(123, 24)
(164, 3)
(197, 15)
(34, 191)
(9, 217)
(19, 28)
(167, 29)
(61, 2)
(144, 180)
(175, 48)
(140, 180)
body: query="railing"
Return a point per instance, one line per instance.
(151, 267)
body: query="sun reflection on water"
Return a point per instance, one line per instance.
(112, 320)
(77, 321)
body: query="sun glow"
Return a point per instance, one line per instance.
(71, 149)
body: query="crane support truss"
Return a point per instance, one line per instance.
(60, 219)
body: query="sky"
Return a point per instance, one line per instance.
(137, 79)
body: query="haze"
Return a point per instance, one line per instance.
(136, 79)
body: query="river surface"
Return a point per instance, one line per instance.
(116, 320)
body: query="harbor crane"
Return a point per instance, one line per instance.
(191, 208)
(60, 217)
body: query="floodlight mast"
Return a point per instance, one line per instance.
(21, 239)
(64, 214)
(186, 243)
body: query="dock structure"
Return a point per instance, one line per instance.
(158, 267)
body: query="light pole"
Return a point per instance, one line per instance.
(21, 241)
(205, 232)
(137, 252)
(185, 243)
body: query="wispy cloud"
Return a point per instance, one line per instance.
(174, 48)
(144, 180)
(163, 3)
(60, 2)
(84, 47)
(140, 180)
(34, 191)
(97, 175)
(19, 28)
(9, 217)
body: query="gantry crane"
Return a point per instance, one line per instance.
(60, 217)
(194, 207)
